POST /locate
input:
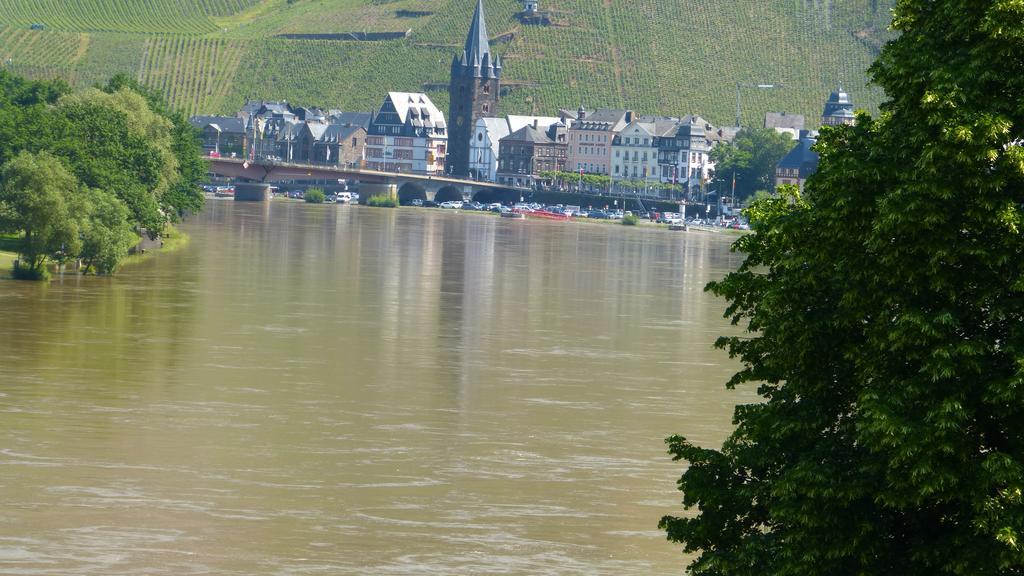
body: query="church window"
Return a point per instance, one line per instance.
(487, 107)
(487, 88)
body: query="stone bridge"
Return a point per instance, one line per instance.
(371, 182)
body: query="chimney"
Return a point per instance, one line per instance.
(534, 123)
(629, 116)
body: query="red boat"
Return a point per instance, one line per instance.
(545, 215)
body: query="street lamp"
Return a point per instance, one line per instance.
(739, 86)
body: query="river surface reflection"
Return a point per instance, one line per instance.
(347, 390)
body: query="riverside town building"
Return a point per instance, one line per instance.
(408, 133)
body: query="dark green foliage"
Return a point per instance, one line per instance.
(96, 142)
(630, 220)
(886, 310)
(751, 158)
(314, 196)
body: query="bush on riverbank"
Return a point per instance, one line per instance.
(382, 202)
(314, 196)
(630, 220)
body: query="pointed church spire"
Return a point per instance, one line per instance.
(476, 41)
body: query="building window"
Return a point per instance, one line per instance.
(487, 88)
(487, 108)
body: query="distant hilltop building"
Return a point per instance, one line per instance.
(472, 92)
(838, 109)
(533, 15)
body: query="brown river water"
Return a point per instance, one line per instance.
(348, 390)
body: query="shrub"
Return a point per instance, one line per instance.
(382, 202)
(314, 196)
(630, 220)
(23, 272)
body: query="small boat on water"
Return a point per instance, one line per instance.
(679, 226)
(224, 192)
(513, 214)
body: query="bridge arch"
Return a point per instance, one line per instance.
(448, 194)
(411, 191)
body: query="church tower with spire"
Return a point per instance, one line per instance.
(472, 92)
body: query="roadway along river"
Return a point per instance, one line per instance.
(348, 390)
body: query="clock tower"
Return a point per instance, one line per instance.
(472, 92)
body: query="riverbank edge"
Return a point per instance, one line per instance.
(173, 240)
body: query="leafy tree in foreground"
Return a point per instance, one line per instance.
(886, 309)
(36, 198)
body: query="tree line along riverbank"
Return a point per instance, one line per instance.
(86, 175)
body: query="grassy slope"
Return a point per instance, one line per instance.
(655, 56)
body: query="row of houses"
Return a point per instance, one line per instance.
(610, 142)
(409, 134)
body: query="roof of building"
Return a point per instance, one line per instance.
(338, 133)
(567, 114)
(723, 133)
(783, 120)
(231, 124)
(476, 59)
(286, 131)
(417, 109)
(261, 106)
(530, 134)
(838, 105)
(517, 122)
(350, 118)
(691, 126)
(602, 119)
(801, 156)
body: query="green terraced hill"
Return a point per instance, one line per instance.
(655, 56)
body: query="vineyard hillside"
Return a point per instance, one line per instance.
(670, 57)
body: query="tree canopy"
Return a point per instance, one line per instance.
(133, 164)
(751, 158)
(36, 198)
(886, 317)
